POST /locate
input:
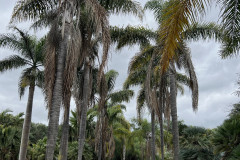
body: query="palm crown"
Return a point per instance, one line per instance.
(30, 56)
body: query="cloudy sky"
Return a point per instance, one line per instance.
(216, 77)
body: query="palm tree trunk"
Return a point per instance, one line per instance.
(153, 135)
(64, 137)
(142, 147)
(27, 124)
(56, 98)
(86, 90)
(100, 147)
(124, 150)
(173, 104)
(161, 133)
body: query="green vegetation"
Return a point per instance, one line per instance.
(69, 62)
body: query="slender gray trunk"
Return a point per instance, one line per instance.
(153, 135)
(124, 150)
(161, 133)
(56, 98)
(100, 147)
(86, 91)
(27, 124)
(173, 104)
(64, 137)
(142, 147)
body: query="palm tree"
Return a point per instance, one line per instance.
(195, 144)
(23, 11)
(31, 55)
(107, 95)
(121, 131)
(193, 32)
(67, 47)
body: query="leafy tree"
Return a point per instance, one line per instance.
(195, 144)
(226, 138)
(10, 135)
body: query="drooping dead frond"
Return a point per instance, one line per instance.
(186, 62)
(71, 63)
(103, 93)
(100, 16)
(52, 44)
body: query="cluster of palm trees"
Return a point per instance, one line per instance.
(66, 62)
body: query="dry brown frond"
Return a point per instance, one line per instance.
(52, 47)
(71, 63)
(99, 14)
(177, 17)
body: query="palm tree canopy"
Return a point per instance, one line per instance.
(30, 55)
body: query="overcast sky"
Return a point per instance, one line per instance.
(216, 77)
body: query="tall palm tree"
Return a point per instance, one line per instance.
(108, 98)
(122, 132)
(30, 56)
(131, 35)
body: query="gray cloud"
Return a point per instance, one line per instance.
(216, 76)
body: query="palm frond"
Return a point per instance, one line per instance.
(132, 35)
(110, 78)
(100, 16)
(12, 62)
(121, 96)
(186, 62)
(140, 102)
(123, 7)
(24, 80)
(141, 59)
(230, 16)
(10, 41)
(45, 21)
(31, 9)
(176, 18)
(157, 7)
(204, 31)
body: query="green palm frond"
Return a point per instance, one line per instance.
(46, 20)
(231, 16)
(157, 7)
(40, 79)
(180, 88)
(123, 6)
(10, 41)
(24, 80)
(183, 79)
(140, 102)
(203, 31)
(31, 9)
(131, 35)
(12, 62)
(141, 59)
(135, 78)
(111, 77)
(121, 96)
(230, 47)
